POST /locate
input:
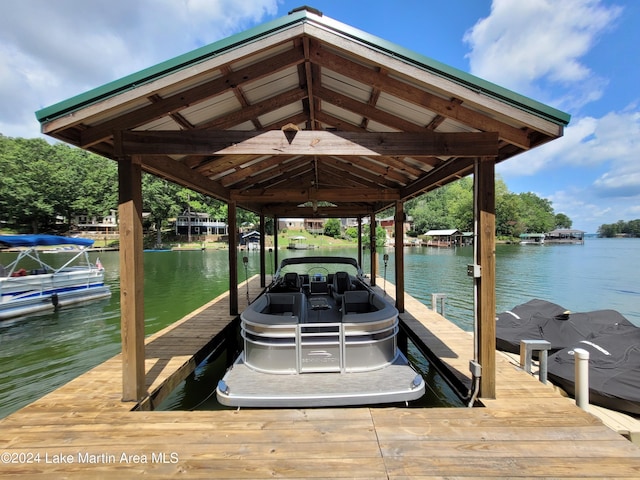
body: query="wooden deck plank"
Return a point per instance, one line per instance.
(528, 431)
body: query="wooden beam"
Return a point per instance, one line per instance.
(263, 235)
(176, 172)
(369, 112)
(360, 240)
(257, 109)
(373, 253)
(131, 280)
(286, 171)
(314, 143)
(243, 173)
(399, 255)
(486, 283)
(301, 195)
(453, 108)
(184, 99)
(373, 171)
(275, 243)
(233, 257)
(342, 211)
(448, 171)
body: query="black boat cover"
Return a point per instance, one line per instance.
(541, 320)
(614, 370)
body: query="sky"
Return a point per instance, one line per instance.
(579, 56)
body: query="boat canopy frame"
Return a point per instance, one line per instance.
(28, 248)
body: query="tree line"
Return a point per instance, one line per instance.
(620, 228)
(451, 207)
(43, 185)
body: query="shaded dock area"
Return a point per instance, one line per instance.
(83, 430)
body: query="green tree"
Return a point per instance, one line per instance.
(562, 221)
(459, 198)
(508, 223)
(159, 200)
(332, 228)
(28, 190)
(631, 228)
(536, 213)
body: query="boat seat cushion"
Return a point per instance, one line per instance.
(341, 283)
(277, 308)
(356, 301)
(318, 287)
(292, 281)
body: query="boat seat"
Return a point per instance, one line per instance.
(318, 284)
(341, 284)
(292, 282)
(277, 308)
(356, 301)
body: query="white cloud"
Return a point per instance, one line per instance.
(53, 50)
(588, 212)
(603, 156)
(612, 141)
(525, 45)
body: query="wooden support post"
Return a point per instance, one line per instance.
(275, 244)
(486, 283)
(233, 257)
(263, 234)
(399, 255)
(372, 249)
(360, 240)
(131, 279)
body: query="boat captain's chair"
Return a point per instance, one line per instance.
(341, 284)
(292, 282)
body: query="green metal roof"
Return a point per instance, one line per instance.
(300, 16)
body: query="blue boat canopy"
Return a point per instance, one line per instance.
(42, 240)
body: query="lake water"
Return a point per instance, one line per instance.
(40, 353)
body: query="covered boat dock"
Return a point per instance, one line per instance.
(304, 117)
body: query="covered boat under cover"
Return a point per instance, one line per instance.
(541, 320)
(613, 343)
(614, 370)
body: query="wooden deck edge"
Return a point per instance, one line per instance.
(626, 425)
(160, 390)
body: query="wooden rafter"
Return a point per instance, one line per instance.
(239, 94)
(253, 111)
(447, 108)
(181, 100)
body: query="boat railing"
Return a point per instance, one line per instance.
(320, 347)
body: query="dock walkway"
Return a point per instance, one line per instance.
(83, 430)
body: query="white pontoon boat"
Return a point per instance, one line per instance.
(29, 285)
(319, 336)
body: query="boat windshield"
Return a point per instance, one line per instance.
(319, 266)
